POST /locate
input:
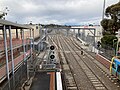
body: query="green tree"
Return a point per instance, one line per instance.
(111, 25)
(2, 15)
(108, 40)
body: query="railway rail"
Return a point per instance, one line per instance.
(67, 75)
(103, 65)
(81, 71)
(87, 73)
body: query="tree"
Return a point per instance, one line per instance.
(107, 25)
(108, 40)
(2, 15)
(111, 25)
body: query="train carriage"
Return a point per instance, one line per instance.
(115, 67)
(115, 62)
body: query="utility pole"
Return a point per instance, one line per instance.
(103, 10)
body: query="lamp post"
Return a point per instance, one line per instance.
(103, 10)
(114, 46)
(118, 36)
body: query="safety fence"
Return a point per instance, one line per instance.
(108, 51)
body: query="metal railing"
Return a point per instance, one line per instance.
(17, 60)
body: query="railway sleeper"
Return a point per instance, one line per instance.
(72, 88)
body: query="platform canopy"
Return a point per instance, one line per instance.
(13, 25)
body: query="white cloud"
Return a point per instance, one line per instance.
(55, 11)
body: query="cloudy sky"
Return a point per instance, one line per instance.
(73, 12)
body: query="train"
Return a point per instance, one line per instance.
(115, 67)
(115, 63)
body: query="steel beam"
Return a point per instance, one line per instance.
(11, 50)
(23, 43)
(31, 44)
(33, 40)
(78, 32)
(94, 38)
(6, 54)
(16, 33)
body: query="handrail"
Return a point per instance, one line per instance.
(16, 62)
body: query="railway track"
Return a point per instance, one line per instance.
(82, 73)
(103, 68)
(70, 81)
(67, 74)
(98, 75)
(84, 68)
(86, 72)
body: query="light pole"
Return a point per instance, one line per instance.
(118, 36)
(103, 9)
(114, 46)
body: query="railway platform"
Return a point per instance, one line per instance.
(44, 81)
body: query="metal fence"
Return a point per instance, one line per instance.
(19, 77)
(108, 51)
(104, 50)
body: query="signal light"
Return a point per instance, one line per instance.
(52, 47)
(52, 56)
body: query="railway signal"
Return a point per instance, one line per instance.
(52, 47)
(52, 54)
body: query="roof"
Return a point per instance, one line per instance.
(40, 40)
(13, 25)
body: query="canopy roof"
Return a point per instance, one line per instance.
(13, 25)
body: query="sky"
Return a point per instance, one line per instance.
(63, 12)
